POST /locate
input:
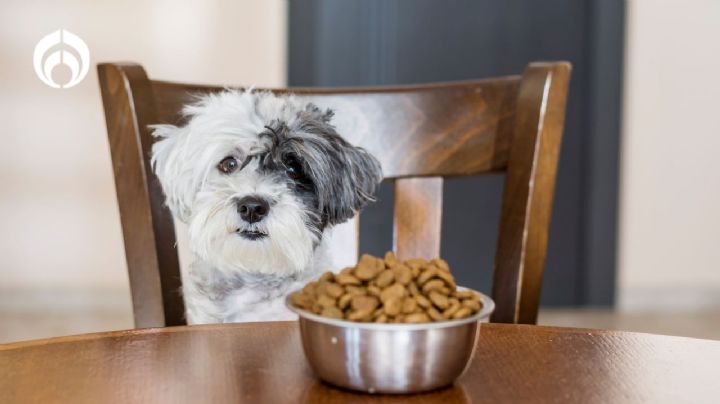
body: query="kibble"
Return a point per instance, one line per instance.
(385, 278)
(438, 299)
(347, 279)
(388, 290)
(334, 290)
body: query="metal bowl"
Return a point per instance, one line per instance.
(390, 358)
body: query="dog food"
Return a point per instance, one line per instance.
(389, 291)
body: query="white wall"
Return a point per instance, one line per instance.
(670, 192)
(58, 213)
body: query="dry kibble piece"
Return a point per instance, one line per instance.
(471, 304)
(355, 290)
(367, 259)
(332, 312)
(417, 318)
(347, 279)
(334, 290)
(425, 276)
(327, 277)
(390, 259)
(344, 300)
(360, 315)
(385, 278)
(396, 290)
(440, 301)
(409, 305)
(416, 263)
(366, 271)
(462, 313)
(432, 266)
(309, 289)
(364, 303)
(302, 300)
(453, 307)
(373, 262)
(413, 289)
(435, 284)
(326, 301)
(435, 315)
(403, 274)
(423, 301)
(374, 290)
(393, 306)
(415, 272)
(447, 277)
(320, 288)
(440, 263)
(465, 294)
(381, 319)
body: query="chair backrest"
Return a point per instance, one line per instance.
(419, 133)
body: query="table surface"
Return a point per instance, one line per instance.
(264, 363)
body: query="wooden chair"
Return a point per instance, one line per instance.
(419, 133)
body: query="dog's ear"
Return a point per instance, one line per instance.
(170, 166)
(355, 186)
(345, 176)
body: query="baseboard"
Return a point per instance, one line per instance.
(669, 299)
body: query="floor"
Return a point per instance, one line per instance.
(26, 316)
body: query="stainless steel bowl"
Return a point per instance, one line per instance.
(389, 358)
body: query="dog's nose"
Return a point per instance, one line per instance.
(252, 208)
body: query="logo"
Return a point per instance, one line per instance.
(45, 59)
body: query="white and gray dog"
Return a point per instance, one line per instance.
(259, 179)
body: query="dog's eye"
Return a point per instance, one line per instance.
(293, 169)
(228, 165)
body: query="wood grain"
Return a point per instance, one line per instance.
(511, 124)
(148, 230)
(458, 128)
(418, 213)
(264, 363)
(528, 193)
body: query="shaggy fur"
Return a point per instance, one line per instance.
(281, 151)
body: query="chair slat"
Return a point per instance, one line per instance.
(147, 224)
(528, 194)
(418, 217)
(427, 130)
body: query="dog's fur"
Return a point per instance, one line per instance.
(285, 153)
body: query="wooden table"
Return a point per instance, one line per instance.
(264, 363)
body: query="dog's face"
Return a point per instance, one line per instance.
(258, 177)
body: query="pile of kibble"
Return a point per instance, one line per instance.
(389, 291)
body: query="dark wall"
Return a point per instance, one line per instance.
(370, 42)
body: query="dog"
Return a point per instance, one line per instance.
(259, 179)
